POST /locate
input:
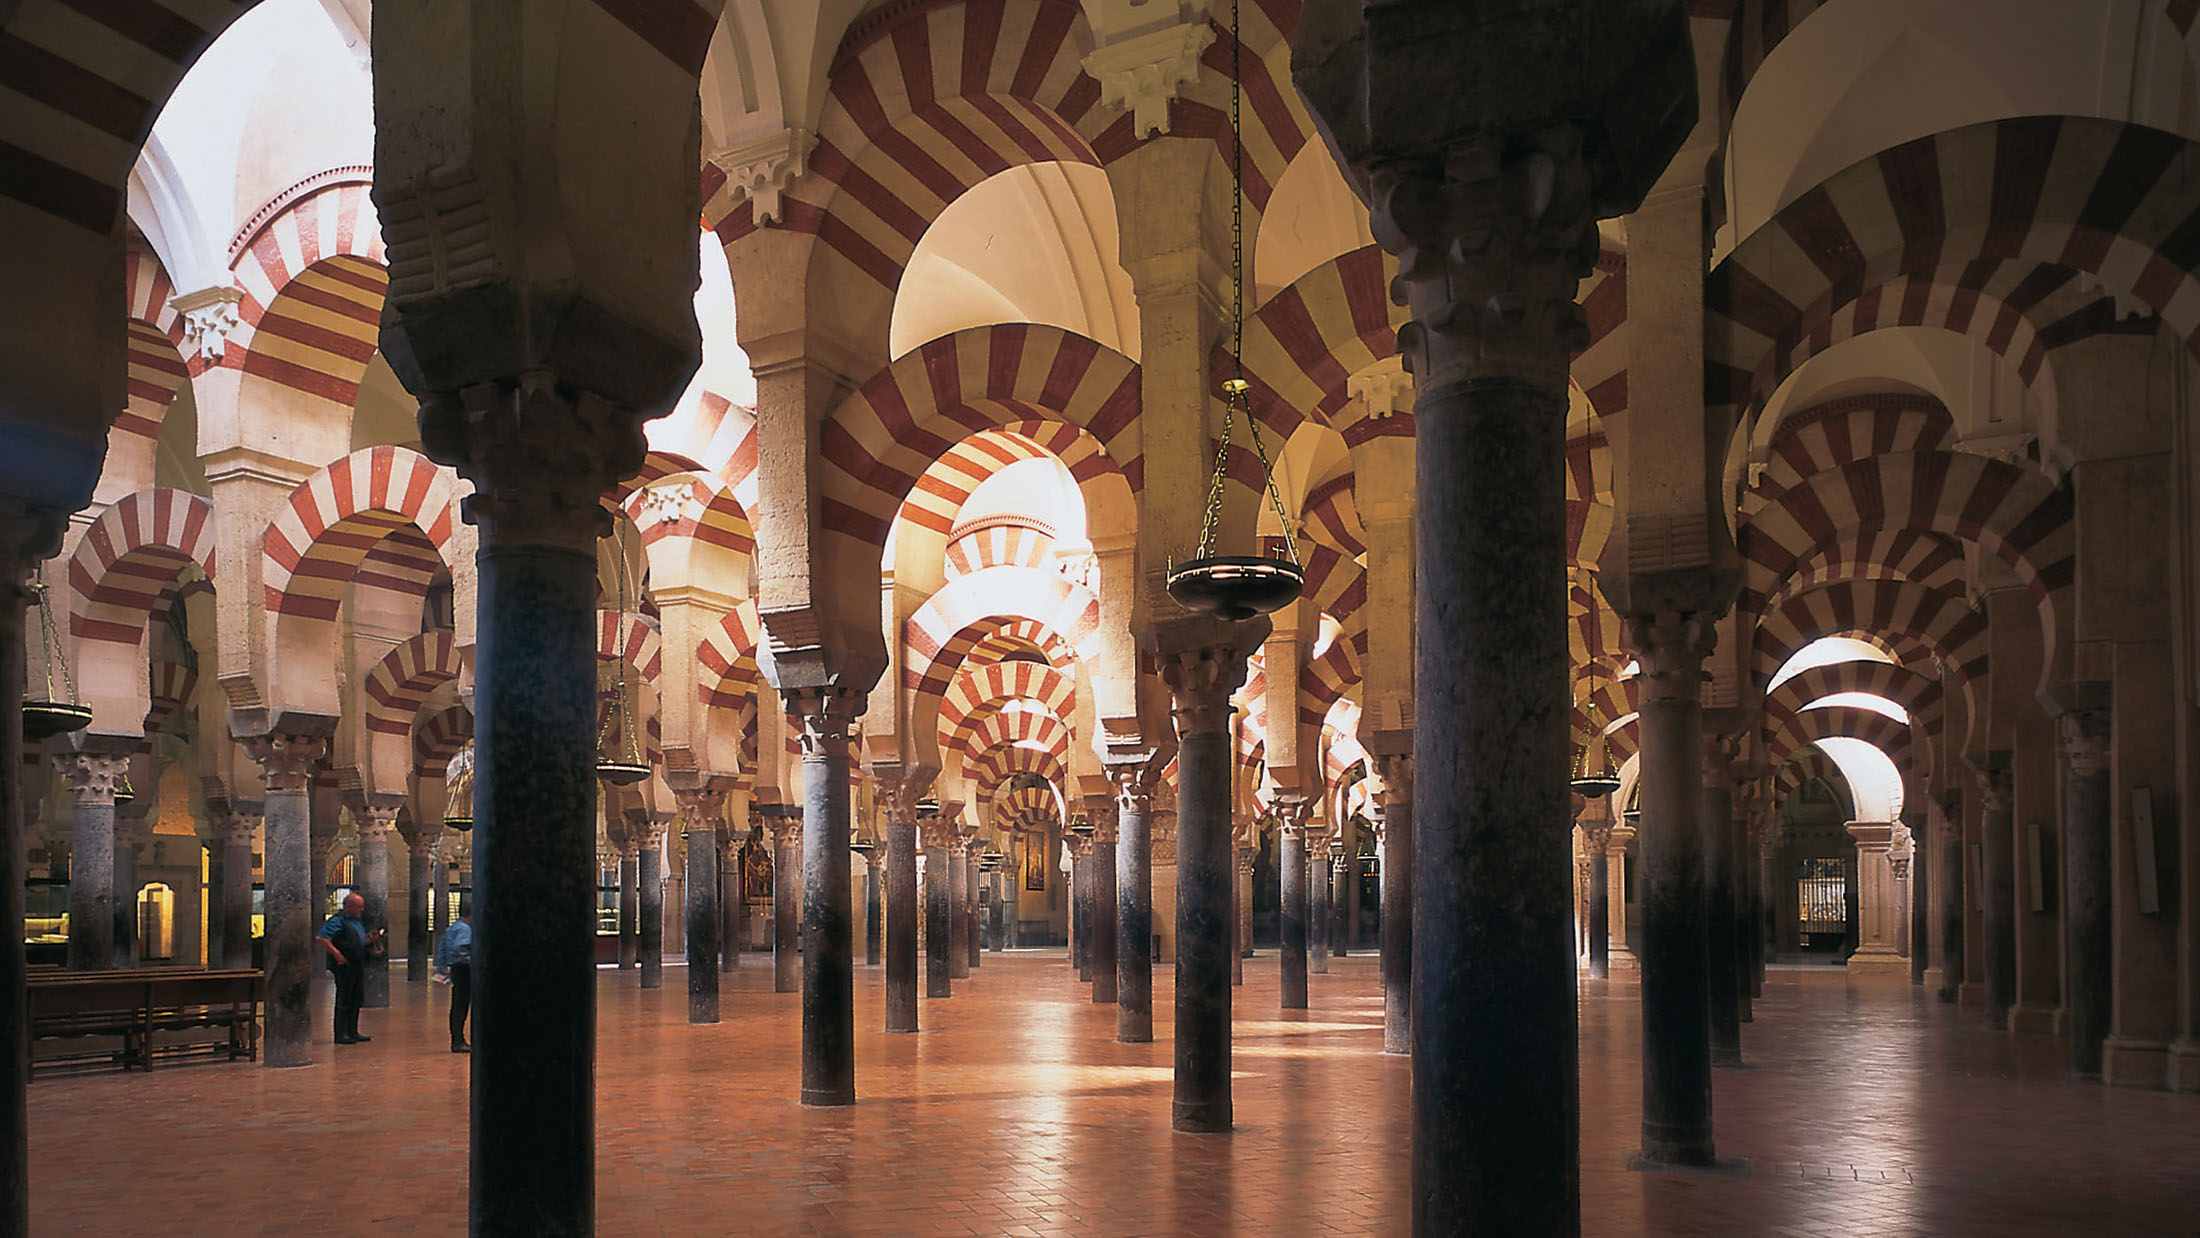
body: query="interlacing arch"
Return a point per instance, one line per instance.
(320, 538)
(399, 684)
(1914, 621)
(2103, 197)
(124, 568)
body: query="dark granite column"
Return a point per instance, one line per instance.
(650, 934)
(975, 878)
(1320, 903)
(1134, 903)
(2088, 884)
(131, 828)
(1200, 681)
(1596, 839)
(786, 841)
(1745, 910)
(733, 904)
(1998, 873)
(216, 849)
(871, 910)
(1921, 884)
(1674, 938)
(289, 758)
(1950, 840)
(1345, 859)
(374, 883)
(1241, 913)
(939, 931)
(828, 932)
(630, 903)
(1103, 916)
(1722, 875)
(22, 542)
(239, 826)
(1080, 906)
(958, 909)
(701, 809)
(419, 877)
(1291, 812)
(1396, 878)
(901, 913)
(92, 777)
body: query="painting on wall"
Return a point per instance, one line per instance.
(756, 874)
(1035, 863)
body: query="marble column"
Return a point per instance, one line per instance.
(1291, 814)
(288, 760)
(1596, 839)
(872, 908)
(1876, 909)
(1622, 954)
(132, 829)
(974, 878)
(785, 832)
(958, 908)
(2088, 885)
(1345, 858)
(939, 977)
(238, 827)
(92, 778)
(1134, 902)
(630, 901)
(733, 904)
(828, 932)
(1103, 918)
(1395, 801)
(1080, 906)
(1998, 874)
(1676, 999)
(1200, 680)
(1950, 864)
(419, 880)
(1241, 893)
(701, 809)
(1746, 918)
(1320, 900)
(901, 907)
(650, 874)
(1722, 900)
(1921, 883)
(375, 822)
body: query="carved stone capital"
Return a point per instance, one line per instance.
(1669, 649)
(209, 315)
(1144, 73)
(1995, 793)
(2084, 734)
(1719, 753)
(1596, 838)
(700, 808)
(1133, 782)
(288, 761)
(93, 776)
(539, 453)
(1901, 866)
(1396, 770)
(238, 828)
(1292, 813)
(1201, 681)
(1079, 847)
(825, 715)
(1492, 242)
(763, 169)
(376, 818)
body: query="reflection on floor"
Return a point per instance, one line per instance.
(1867, 1108)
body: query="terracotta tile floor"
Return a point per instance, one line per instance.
(1867, 1108)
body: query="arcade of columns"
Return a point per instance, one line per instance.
(1566, 478)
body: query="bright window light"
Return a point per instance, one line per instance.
(1863, 700)
(1826, 651)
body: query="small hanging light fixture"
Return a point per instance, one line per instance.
(50, 715)
(1238, 586)
(1594, 781)
(626, 766)
(458, 789)
(124, 792)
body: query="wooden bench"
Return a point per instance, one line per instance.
(138, 1006)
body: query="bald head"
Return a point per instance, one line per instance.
(354, 904)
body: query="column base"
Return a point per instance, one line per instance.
(1971, 995)
(2127, 1063)
(1200, 1119)
(1622, 959)
(2184, 1066)
(1878, 962)
(828, 1098)
(2036, 1020)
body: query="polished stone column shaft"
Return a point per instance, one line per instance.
(650, 931)
(701, 860)
(1241, 913)
(419, 880)
(733, 903)
(1321, 904)
(871, 910)
(92, 778)
(630, 906)
(1396, 877)
(1291, 872)
(236, 875)
(129, 829)
(2088, 884)
(828, 929)
(1134, 908)
(15, 1125)
(1598, 841)
(1722, 901)
(1951, 899)
(374, 883)
(958, 911)
(901, 922)
(786, 839)
(1746, 917)
(1102, 918)
(1921, 884)
(974, 879)
(1080, 909)
(1998, 900)
(939, 978)
(287, 764)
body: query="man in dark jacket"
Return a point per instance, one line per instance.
(347, 939)
(454, 958)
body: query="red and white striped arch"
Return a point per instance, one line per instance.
(1934, 560)
(438, 737)
(1011, 640)
(1839, 432)
(157, 368)
(1600, 369)
(1028, 808)
(1304, 343)
(1914, 623)
(623, 636)
(1918, 694)
(171, 689)
(1808, 764)
(2089, 195)
(728, 658)
(881, 440)
(1005, 728)
(1806, 727)
(979, 689)
(948, 482)
(323, 536)
(1323, 681)
(125, 567)
(1001, 541)
(400, 683)
(1332, 514)
(1336, 584)
(312, 270)
(944, 630)
(992, 768)
(1589, 495)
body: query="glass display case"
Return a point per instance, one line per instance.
(45, 920)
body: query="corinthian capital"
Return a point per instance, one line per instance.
(288, 761)
(825, 714)
(2085, 735)
(1669, 648)
(93, 776)
(1995, 793)
(539, 452)
(1201, 681)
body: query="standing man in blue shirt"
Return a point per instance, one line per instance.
(454, 961)
(346, 938)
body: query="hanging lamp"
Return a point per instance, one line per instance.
(458, 789)
(50, 715)
(626, 766)
(1594, 781)
(124, 792)
(1238, 586)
